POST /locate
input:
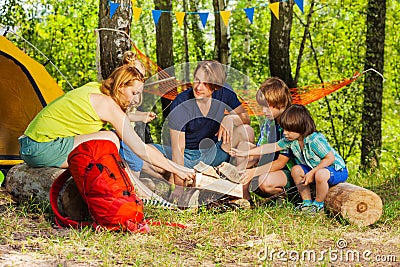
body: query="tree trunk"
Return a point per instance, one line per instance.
(371, 137)
(197, 32)
(164, 40)
(113, 44)
(221, 47)
(186, 43)
(279, 44)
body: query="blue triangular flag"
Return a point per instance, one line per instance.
(249, 13)
(113, 8)
(156, 15)
(203, 18)
(300, 4)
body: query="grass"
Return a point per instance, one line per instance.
(262, 236)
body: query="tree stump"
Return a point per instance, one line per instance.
(355, 204)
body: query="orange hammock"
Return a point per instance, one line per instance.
(170, 87)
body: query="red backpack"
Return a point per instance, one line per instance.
(100, 176)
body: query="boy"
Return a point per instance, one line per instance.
(271, 175)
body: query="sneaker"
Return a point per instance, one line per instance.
(303, 207)
(280, 201)
(316, 209)
(241, 203)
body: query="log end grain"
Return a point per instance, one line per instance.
(355, 204)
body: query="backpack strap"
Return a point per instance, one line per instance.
(55, 189)
(158, 223)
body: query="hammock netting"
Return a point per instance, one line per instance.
(171, 87)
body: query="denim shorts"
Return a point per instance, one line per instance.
(134, 162)
(336, 176)
(45, 154)
(213, 156)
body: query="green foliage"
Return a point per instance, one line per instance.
(249, 42)
(63, 32)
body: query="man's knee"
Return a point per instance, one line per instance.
(244, 133)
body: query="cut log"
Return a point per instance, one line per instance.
(219, 185)
(229, 171)
(355, 204)
(71, 203)
(205, 169)
(24, 182)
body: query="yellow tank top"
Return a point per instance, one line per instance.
(69, 115)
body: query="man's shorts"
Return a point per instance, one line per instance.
(336, 176)
(213, 156)
(45, 154)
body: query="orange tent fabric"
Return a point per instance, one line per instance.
(25, 88)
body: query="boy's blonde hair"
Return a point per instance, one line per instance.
(275, 93)
(215, 73)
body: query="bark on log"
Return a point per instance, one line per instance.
(24, 182)
(355, 204)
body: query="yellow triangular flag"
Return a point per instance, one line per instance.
(275, 9)
(136, 13)
(179, 17)
(133, 3)
(225, 16)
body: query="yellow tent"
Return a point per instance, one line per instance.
(25, 88)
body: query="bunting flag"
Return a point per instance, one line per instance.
(136, 13)
(225, 16)
(203, 18)
(275, 9)
(113, 8)
(156, 15)
(249, 13)
(180, 16)
(300, 4)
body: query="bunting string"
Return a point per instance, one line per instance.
(203, 15)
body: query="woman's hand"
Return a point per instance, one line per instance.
(148, 116)
(142, 116)
(185, 174)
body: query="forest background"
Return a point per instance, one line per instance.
(327, 44)
(334, 48)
